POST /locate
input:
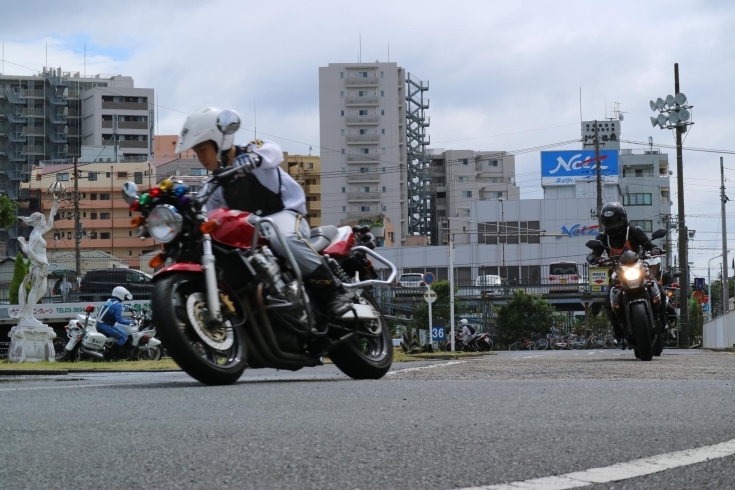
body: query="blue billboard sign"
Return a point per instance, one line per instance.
(570, 166)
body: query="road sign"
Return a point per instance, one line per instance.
(430, 296)
(705, 307)
(437, 334)
(699, 283)
(429, 278)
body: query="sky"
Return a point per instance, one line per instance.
(503, 75)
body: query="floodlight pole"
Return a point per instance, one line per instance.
(725, 281)
(683, 235)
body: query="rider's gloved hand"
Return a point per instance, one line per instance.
(246, 162)
(601, 261)
(656, 251)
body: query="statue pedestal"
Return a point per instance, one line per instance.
(31, 342)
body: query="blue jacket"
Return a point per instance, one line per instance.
(111, 313)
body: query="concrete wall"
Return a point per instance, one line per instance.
(720, 332)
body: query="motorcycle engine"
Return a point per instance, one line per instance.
(269, 271)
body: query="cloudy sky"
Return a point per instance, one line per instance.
(504, 75)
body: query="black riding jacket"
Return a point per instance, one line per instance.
(633, 238)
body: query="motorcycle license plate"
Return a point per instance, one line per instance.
(70, 345)
(563, 281)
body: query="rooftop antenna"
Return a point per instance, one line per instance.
(47, 54)
(85, 60)
(650, 143)
(255, 121)
(309, 150)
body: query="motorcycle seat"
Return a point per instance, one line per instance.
(322, 236)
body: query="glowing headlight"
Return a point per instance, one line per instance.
(164, 223)
(632, 273)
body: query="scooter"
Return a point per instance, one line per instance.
(87, 343)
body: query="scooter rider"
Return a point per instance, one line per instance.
(264, 189)
(619, 237)
(468, 333)
(111, 313)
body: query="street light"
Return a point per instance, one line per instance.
(709, 286)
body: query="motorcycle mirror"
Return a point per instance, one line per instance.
(130, 192)
(677, 274)
(594, 244)
(228, 122)
(660, 233)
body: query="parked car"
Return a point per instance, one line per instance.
(411, 280)
(564, 278)
(489, 284)
(97, 284)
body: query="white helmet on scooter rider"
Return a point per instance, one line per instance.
(209, 124)
(122, 294)
(463, 322)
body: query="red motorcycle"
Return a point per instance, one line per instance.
(228, 302)
(482, 342)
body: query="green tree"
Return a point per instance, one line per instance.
(440, 308)
(7, 212)
(19, 272)
(523, 315)
(696, 318)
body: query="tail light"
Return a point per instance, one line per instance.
(552, 278)
(144, 340)
(575, 278)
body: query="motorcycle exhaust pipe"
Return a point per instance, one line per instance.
(95, 354)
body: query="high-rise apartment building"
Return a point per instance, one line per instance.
(362, 122)
(50, 115)
(306, 170)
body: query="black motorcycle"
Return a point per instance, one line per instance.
(635, 292)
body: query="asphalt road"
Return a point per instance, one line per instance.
(435, 425)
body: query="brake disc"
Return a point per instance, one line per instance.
(218, 335)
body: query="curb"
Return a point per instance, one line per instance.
(30, 372)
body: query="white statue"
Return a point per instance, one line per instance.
(35, 249)
(32, 340)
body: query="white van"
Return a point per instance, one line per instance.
(490, 284)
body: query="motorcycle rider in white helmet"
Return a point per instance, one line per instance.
(264, 189)
(468, 332)
(110, 314)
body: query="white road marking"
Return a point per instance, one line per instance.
(431, 366)
(621, 471)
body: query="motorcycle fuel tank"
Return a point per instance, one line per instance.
(233, 228)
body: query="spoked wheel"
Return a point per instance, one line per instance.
(60, 353)
(213, 353)
(369, 353)
(542, 344)
(515, 346)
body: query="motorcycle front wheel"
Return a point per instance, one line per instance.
(641, 325)
(151, 354)
(213, 355)
(366, 357)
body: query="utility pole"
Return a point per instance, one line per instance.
(725, 282)
(451, 281)
(683, 234)
(77, 224)
(597, 166)
(666, 221)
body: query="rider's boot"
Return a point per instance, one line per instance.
(330, 291)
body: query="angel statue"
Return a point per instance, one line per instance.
(35, 249)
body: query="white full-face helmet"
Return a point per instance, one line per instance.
(464, 322)
(122, 294)
(209, 124)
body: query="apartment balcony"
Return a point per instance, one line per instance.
(14, 174)
(126, 125)
(35, 113)
(362, 120)
(313, 189)
(57, 137)
(15, 96)
(313, 206)
(32, 150)
(356, 158)
(363, 177)
(359, 101)
(35, 93)
(363, 197)
(54, 98)
(133, 144)
(356, 139)
(33, 131)
(360, 214)
(16, 136)
(127, 106)
(16, 117)
(361, 82)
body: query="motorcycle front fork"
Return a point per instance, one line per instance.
(210, 277)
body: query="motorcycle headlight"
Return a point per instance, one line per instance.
(164, 223)
(632, 273)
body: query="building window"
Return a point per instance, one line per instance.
(639, 199)
(62, 177)
(104, 215)
(381, 74)
(463, 212)
(92, 215)
(364, 151)
(487, 233)
(462, 178)
(341, 74)
(364, 189)
(362, 74)
(645, 224)
(364, 208)
(107, 175)
(344, 189)
(342, 132)
(384, 169)
(465, 161)
(93, 196)
(92, 175)
(93, 235)
(84, 214)
(198, 172)
(382, 93)
(122, 175)
(343, 151)
(362, 93)
(466, 193)
(363, 112)
(382, 112)
(342, 94)
(382, 131)
(383, 207)
(384, 189)
(344, 208)
(105, 236)
(68, 235)
(105, 196)
(130, 232)
(363, 131)
(382, 150)
(138, 177)
(342, 113)
(492, 163)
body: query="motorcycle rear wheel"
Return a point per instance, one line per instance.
(641, 324)
(174, 324)
(515, 346)
(658, 346)
(151, 354)
(363, 357)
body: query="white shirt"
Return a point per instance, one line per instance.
(466, 331)
(267, 173)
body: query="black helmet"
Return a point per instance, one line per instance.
(629, 257)
(613, 219)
